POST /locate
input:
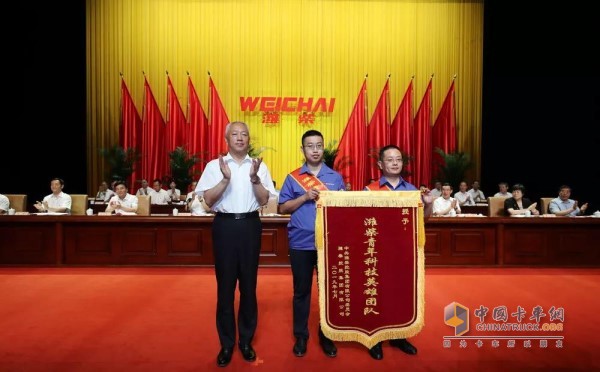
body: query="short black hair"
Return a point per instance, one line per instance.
(518, 186)
(388, 147)
(564, 187)
(311, 133)
(60, 180)
(121, 183)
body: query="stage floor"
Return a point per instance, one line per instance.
(163, 319)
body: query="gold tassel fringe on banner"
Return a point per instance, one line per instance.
(382, 199)
(385, 199)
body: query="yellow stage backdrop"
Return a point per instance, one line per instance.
(296, 48)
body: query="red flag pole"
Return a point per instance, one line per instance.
(187, 108)
(209, 99)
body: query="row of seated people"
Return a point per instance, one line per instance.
(515, 205)
(474, 195)
(157, 194)
(121, 202)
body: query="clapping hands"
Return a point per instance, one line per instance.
(41, 206)
(224, 168)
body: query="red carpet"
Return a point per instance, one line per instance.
(163, 319)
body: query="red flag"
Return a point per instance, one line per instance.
(198, 127)
(378, 132)
(176, 124)
(216, 124)
(154, 155)
(401, 133)
(130, 131)
(444, 129)
(351, 159)
(422, 140)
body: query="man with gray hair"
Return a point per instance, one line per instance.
(235, 186)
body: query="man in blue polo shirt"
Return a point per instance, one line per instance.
(297, 197)
(391, 162)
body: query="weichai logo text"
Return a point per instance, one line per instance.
(287, 104)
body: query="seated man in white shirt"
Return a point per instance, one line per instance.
(4, 204)
(173, 192)
(194, 203)
(122, 203)
(446, 205)
(463, 197)
(563, 206)
(157, 194)
(58, 201)
(144, 190)
(476, 193)
(104, 192)
(437, 190)
(503, 191)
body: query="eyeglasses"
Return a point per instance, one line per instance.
(313, 147)
(391, 160)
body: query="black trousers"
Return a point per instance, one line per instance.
(303, 265)
(236, 248)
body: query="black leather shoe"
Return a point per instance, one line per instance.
(300, 347)
(248, 352)
(376, 352)
(328, 347)
(224, 356)
(404, 345)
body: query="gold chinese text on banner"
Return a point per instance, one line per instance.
(371, 265)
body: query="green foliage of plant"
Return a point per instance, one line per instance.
(121, 161)
(182, 167)
(330, 153)
(254, 151)
(453, 167)
(406, 164)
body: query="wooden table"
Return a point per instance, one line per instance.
(182, 240)
(475, 209)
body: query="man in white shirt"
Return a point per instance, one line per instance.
(58, 201)
(4, 204)
(194, 203)
(462, 196)
(446, 205)
(503, 191)
(437, 190)
(173, 192)
(144, 190)
(563, 206)
(104, 192)
(235, 186)
(158, 195)
(476, 193)
(123, 202)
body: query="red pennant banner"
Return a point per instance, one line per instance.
(371, 261)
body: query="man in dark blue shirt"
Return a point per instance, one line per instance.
(391, 162)
(297, 197)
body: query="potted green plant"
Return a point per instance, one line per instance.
(182, 164)
(330, 153)
(453, 167)
(121, 161)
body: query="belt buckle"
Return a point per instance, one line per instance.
(239, 216)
